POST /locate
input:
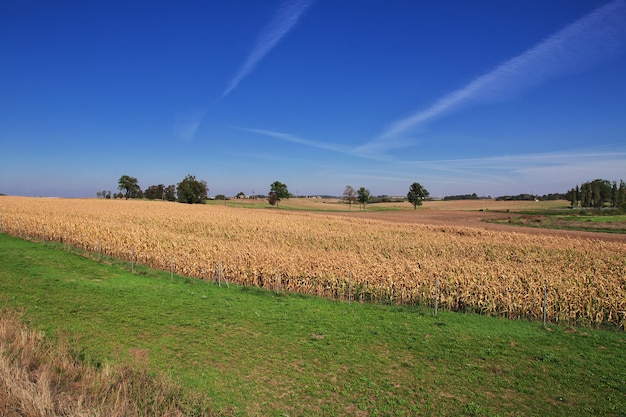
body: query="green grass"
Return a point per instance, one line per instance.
(583, 220)
(256, 352)
(596, 219)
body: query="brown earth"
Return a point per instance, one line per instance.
(474, 219)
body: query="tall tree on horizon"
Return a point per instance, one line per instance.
(191, 190)
(130, 186)
(363, 196)
(349, 194)
(417, 194)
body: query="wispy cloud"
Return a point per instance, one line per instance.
(512, 162)
(284, 21)
(525, 173)
(295, 139)
(186, 125)
(328, 146)
(549, 170)
(595, 38)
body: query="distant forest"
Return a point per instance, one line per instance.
(531, 197)
(519, 197)
(598, 193)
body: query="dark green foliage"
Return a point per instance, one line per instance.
(130, 186)
(472, 196)
(519, 197)
(417, 194)
(192, 191)
(280, 189)
(363, 196)
(160, 192)
(597, 194)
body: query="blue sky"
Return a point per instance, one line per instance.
(492, 97)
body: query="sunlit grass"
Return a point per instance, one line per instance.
(256, 352)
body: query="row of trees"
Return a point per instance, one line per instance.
(189, 190)
(472, 196)
(416, 195)
(598, 193)
(531, 197)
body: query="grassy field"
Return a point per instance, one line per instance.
(259, 353)
(584, 220)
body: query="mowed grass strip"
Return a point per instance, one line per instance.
(255, 352)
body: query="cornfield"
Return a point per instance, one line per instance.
(495, 273)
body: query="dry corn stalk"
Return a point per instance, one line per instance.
(495, 273)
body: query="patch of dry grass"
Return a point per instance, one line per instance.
(39, 378)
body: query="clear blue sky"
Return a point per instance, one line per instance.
(492, 97)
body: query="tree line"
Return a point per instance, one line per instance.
(189, 190)
(472, 196)
(598, 194)
(416, 195)
(532, 197)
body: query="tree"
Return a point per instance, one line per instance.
(363, 196)
(169, 193)
(572, 196)
(160, 192)
(272, 198)
(595, 193)
(349, 194)
(416, 194)
(130, 186)
(621, 195)
(280, 189)
(191, 190)
(155, 192)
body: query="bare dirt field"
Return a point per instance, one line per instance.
(465, 213)
(446, 216)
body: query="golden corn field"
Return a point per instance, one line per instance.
(496, 273)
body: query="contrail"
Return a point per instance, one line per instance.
(295, 139)
(594, 38)
(328, 146)
(285, 20)
(187, 125)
